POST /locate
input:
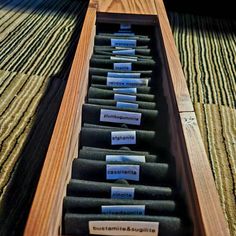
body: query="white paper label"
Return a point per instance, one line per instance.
(123, 137)
(124, 58)
(125, 26)
(130, 43)
(125, 90)
(127, 105)
(123, 75)
(122, 193)
(125, 158)
(128, 172)
(122, 66)
(124, 228)
(123, 210)
(124, 97)
(123, 117)
(123, 82)
(124, 52)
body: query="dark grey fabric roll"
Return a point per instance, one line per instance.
(109, 64)
(139, 89)
(92, 205)
(121, 58)
(103, 71)
(101, 156)
(83, 188)
(150, 173)
(92, 113)
(101, 138)
(109, 102)
(142, 53)
(77, 224)
(110, 48)
(121, 36)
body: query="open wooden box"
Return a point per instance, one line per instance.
(193, 170)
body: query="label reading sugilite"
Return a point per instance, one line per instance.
(123, 210)
(124, 228)
(128, 172)
(124, 97)
(125, 158)
(123, 82)
(130, 43)
(126, 105)
(116, 58)
(123, 66)
(123, 137)
(125, 90)
(123, 75)
(124, 52)
(122, 192)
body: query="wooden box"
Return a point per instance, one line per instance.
(194, 175)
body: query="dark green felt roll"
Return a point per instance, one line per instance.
(77, 224)
(104, 72)
(121, 36)
(101, 156)
(143, 53)
(92, 205)
(110, 48)
(83, 188)
(139, 89)
(135, 65)
(97, 79)
(150, 173)
(101, 138)
(109, 102)
(92, 113)
(106, 40)
(121, 58)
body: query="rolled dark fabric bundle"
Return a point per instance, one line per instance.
(122, 149)
(109, 48)
(139, 52)
(92, 205)
(108, 102)
(83, 188)
(121, 57)
(78, 224)
(101, 156)
(123, 41)
(126, 66)
(156, 174)
(139, 89)
(121, 36)
(104, 72)
(108, 115)
(138, 140)
(120, 82)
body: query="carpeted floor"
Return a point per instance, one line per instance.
(37, 43)
(207, 50)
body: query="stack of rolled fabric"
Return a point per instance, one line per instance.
(123, 183)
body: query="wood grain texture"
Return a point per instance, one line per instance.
(208, 200)
(46, 212)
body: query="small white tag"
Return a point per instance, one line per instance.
(127, 105)
(125, 90)
(124, 97)
(123, 210)
(123, 137)
(125, 26)
(130, 43)
(124, 58)
(123, 117)
(123, 82)
(123, 75)
(122, 193)
(123, 66)
(124, 34)
(124, 228)
(128, 172)
(124, 52)
(124, 158)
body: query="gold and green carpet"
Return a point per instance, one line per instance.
(207, 49)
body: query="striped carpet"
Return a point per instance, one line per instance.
(207, 50)
(37, 43)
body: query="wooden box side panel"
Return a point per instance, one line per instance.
(46, 211)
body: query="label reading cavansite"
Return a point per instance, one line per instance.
(122, 193)
(124, 117)
(128, 172)
(124, 228)
(122, 66)
(123, 210)
(123, 137)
